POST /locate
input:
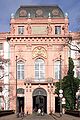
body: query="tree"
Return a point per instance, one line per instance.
(3, 63)
(3, 73)
(70, 86)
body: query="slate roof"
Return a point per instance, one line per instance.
(39, 12)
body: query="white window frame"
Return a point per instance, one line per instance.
(20, 70)
(57, 30)
(20, 30)
(39, 69)
(57, 69)
(1, 46)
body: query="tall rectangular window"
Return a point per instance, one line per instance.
(39, 69)
(1, 49)
(0, 102)
(20, 30)
(58, 30)
(20, 70)
(1, 46)
(57, 69)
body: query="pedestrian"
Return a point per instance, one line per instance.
(42, 111)
(39, 111)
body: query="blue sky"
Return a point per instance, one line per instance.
(72, 7)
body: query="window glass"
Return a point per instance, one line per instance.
(1, 46)
(57, 69)
(20, 70)
(39, 69)
(21, 30)
(0, 102)
(58, 30)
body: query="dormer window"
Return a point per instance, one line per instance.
(21, 30)
(58, 30)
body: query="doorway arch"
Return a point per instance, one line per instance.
(39, 99)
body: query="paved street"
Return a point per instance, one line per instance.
(36, 117)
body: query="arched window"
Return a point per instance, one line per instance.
(20, 70)
(57, 69)
(39, 69)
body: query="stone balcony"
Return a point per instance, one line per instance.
(45, 81)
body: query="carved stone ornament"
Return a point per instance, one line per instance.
(49, 29)
(55, 12)
(20, 91)
(39, 12)
(29, 29)
(39, 51)
(23, 13)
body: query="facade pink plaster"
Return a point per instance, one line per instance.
(38, 43)
(38, 36)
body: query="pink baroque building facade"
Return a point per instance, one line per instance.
(38, 37)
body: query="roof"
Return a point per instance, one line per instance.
(39, 12)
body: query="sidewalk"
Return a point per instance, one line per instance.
(56, 116)
(36, 117)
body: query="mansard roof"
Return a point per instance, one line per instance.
(39, 12)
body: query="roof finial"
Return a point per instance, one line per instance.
(66, 15)
(12, 15)
(29, 15)
(49, 15)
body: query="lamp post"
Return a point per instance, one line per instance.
(60, 91)
(16, 90)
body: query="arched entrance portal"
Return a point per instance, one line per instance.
(40, 100)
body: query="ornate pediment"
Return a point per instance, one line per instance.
(39, 52)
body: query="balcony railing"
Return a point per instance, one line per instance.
(49, 80)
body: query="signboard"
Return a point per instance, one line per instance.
(39, 30)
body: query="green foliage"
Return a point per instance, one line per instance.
(70, 86)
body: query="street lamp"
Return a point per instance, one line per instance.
(16, 90)
(60, 91)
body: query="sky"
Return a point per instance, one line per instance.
(72, 7)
